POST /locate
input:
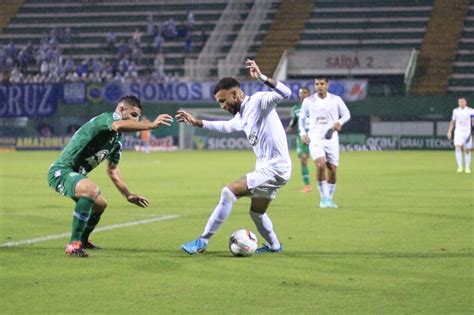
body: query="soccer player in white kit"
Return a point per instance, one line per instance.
(257, 117)
(326, 113)
(461, 121)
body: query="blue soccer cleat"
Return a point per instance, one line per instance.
(267, 249)
(324, 202)
(330, 203)
(194, 247)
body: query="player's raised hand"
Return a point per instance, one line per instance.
(184, 116)
(254, 70)
(138, 200)
(163, 119)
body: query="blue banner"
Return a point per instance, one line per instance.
(29, 100)
(349, 90)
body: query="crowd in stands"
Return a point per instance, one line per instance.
(46, 63)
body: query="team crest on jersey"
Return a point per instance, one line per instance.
(253, 139)
(116, 116)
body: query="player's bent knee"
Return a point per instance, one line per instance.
(228, 195)
(87, 188)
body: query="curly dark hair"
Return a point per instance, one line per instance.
(226, 83)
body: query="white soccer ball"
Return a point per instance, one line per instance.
(243, 243)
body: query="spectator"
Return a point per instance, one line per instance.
(190, 21)
(158, 42)
(137, 37)
(187, 44)
(71, 129)
(45, 130)
(111, 39)
(150, 28)
(67, 35)
(170, 29)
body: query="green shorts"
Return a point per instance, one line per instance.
(301, 148)
(64, 180)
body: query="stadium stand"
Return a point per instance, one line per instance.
(462, 78)
(284, 32)
(439, 46)
(361, 24)
(89, 23)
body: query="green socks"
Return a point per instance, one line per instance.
(90, 226)
(81, 215)
(305, 174)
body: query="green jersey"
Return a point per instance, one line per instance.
(295, 115)
(94, 142)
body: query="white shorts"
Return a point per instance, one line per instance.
(264, 182)
(464, 139)
(328, 149)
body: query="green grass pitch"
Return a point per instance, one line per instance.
(401, 241)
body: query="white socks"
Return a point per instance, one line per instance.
(323, 189)
(331, 190)
(265, 228)
(467, 159)
(220, 214)
(458, 153)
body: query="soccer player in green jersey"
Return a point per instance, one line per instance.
(97, 140)
(301, 148)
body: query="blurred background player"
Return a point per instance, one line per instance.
(461, 122)
(257, 117)
(302, 149)
(326, 113)
(145, 136)
(97, 140)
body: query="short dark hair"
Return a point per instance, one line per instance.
(322, 77)
(305, 88)
(462, 97)
(131, 100)
(225, 84)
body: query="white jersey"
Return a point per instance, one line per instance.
(321, 114)
(260, 122)
(463, 117)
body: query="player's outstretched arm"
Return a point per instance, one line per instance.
(114, 173)
(256, 74)
(132, 125)
(184, 116)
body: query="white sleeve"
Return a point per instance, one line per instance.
(453, 116)
(344, 112)
(225, 126)
(271, 99)
(302, 118)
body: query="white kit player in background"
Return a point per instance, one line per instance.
(256, 116)
(461, 122)
(326, 113)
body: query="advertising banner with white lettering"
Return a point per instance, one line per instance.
(349, 62)
(202, 92)
(29, 100)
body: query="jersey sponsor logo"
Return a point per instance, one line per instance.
(253, 139)
(97, 158)
(73, 174)
(322, 120)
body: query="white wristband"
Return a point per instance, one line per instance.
(263, 78)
